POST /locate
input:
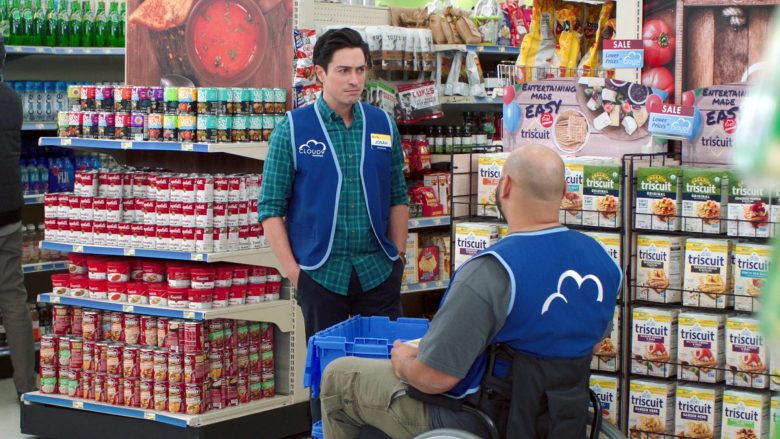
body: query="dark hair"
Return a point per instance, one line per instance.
(337, 39)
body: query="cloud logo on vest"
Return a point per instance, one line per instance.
(577, 278)
(313, 148)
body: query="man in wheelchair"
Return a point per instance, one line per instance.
(513, 337)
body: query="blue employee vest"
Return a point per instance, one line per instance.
(313, 208)
(564, 288)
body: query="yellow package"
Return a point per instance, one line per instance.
(591, 61)
(567, 51)
(590, 28)
(538, 47)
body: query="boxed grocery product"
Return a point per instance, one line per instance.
(751, 267)
(659, 262)
(610, 242)
(746, 355)
(774, 405)
(606, 389)
(471, 238)
(774, 214)
(745, 415)
(440, 182)
(651, 408)
(658, 198)
(428, 264)
(601, 196)
(410, 269)
(426, 197)
(654, 346)
(748, 210)
(701, 347)
(571, 204)
(774, 369)
(442, 242)
(698, 411)
(503, 230)
(703, 199)
(707, 278)
(605, 354)
(490, 168)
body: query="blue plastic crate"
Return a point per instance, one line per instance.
(366, 337)
(316, 431)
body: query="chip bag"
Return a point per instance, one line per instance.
(567, 50)
(538, 47)
(591, 61)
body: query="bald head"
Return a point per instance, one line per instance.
(538, 171)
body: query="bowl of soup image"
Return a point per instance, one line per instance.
(226, 40)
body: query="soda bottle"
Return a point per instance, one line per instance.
(52, 24)
(17, 25)
(25, 177)
(43, 176)
(5, 26)
(74, 38)
(28, 25)
(115, 26)
(101, 26)
(88, 26)
(64, 27)
(41, 25)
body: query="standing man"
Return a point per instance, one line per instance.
(13, 295)
(334, 202)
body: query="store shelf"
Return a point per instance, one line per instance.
(39, 126)
(45, 266)
(6, 352)
(66, 51)
(176, 419)
(435, 221)
(277, 311)
(262, 256)
(252, 150)
(469, 100)
(498, 50)
(33, 199)
(425, 286)
(701, 235)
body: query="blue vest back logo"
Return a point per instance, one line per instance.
(577, 278)
(313, 148)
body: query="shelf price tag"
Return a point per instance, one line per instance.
(439, 284)
(196, 256)
(187, 146)
(501, 49)
(39, 50)
(127, 308)
(55, 299)
(149, 416)
(673, 121)
(437, 222)
(188, 314)
(65, 141)
(129, 252)
(126, 145)
(78, 405)
(69, 50)
(77, 249)
(623, 54)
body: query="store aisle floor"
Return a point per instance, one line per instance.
(9, 411)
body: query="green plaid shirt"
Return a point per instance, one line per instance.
(354, 244)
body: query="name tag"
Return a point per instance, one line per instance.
(381, 141)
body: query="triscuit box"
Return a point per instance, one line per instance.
(707, 279)
(774, 405)
(601, 196)
(774, 369)
(651, 408)
(489, 173)
(410, 269)
(745, 415)
(659, 263)
(658, 198)
(701, 347)
(605, 353)
(698, 411)
(654, 342)
(746, 355)
(606, 389)
(471, 238)
(440, 182)
(610, 242)
(751, 267)
(748, 210)
(503, 230)
(571, 204)
(703, 203)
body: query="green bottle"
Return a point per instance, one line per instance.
(88, 26)
(5, 26)
(28, 25)
(122, 18)
(101, 26)
(17, 28)
(74, 38)
(114, 25)
(52, 24)
(41, 25)
(63, 17)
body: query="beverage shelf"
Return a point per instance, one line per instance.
(252, 150)
(39, 126)
(66, 51)
(33, 199)
(45, 266)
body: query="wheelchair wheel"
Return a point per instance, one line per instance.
(447, 433)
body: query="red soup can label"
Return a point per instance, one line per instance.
(132, 392)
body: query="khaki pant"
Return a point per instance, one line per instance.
(359, 391)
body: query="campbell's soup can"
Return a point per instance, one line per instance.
(76, 346)
(146, 363)
(140, 99)
(221, 188)
(131, 328)
(194, 339)
(186, 128)
(176, 397)
(254, 358)
(154, 126)
(48, 380)
(204, 239)
(158, 100)
(194, 398)
(162, 331)
(131, 362)
(243, 389)
(63, 352)
(88, 356)
(162, 213)
(122, 126)
(194, 367)
(188, 215)
(114, 391)
(188, 189)
(220, 215)
(63, 381)
(87, 382)
(221, 297)
(114, 359)
(170, 127)
(160, 396)
(160, 365)
(216, 334)
(204, 189)
(207, 129)
(61, 319)
(106, 125)
(206, 101)
(148, 331)
(215, 364)
(99, 387)
(90, 325)
(88, 94)
(123, 97)
(89, 124)
(255, 387)
(175, 367)
(49, 350)
(131, 392)
(146, 395)
(187, 98)
(242, 359)
(74, 97)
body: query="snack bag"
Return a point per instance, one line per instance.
(591, 60)
(567, 50)
(590, 27)
(538, 47)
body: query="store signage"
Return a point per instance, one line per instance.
(719, 109)
(623, 54)
(673, 121)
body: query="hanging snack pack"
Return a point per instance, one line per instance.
(538, 47)
(567, 50)
(417, 102)
(591, 59)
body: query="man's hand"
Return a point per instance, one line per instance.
(294, 273)
(402, 354)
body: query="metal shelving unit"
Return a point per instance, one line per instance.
(41, 267)
(65, 51)
(39, 126)
(493, 50)
(424, 222)
(425, 286)
(33, 199)
(252, 150)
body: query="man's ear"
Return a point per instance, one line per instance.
(506, 187)
(320, 72)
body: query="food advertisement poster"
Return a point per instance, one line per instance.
(719, 108)
(589, 116)
(212, 43)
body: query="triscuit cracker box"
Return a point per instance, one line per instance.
(503, 230)
(774, 405)
(701, 347)
(745, 415)
(605, 353)
(651, 408)
(610, 242)
(708, 273)
(571, 204)
(489, 170)
(654, 342)
(606, 389)
(748, 210)
(471, 238)
(659, 263)
(751, 267)
(601, 196)
(698, 411)
(658, 198)
(703, 203)
(746, 354)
